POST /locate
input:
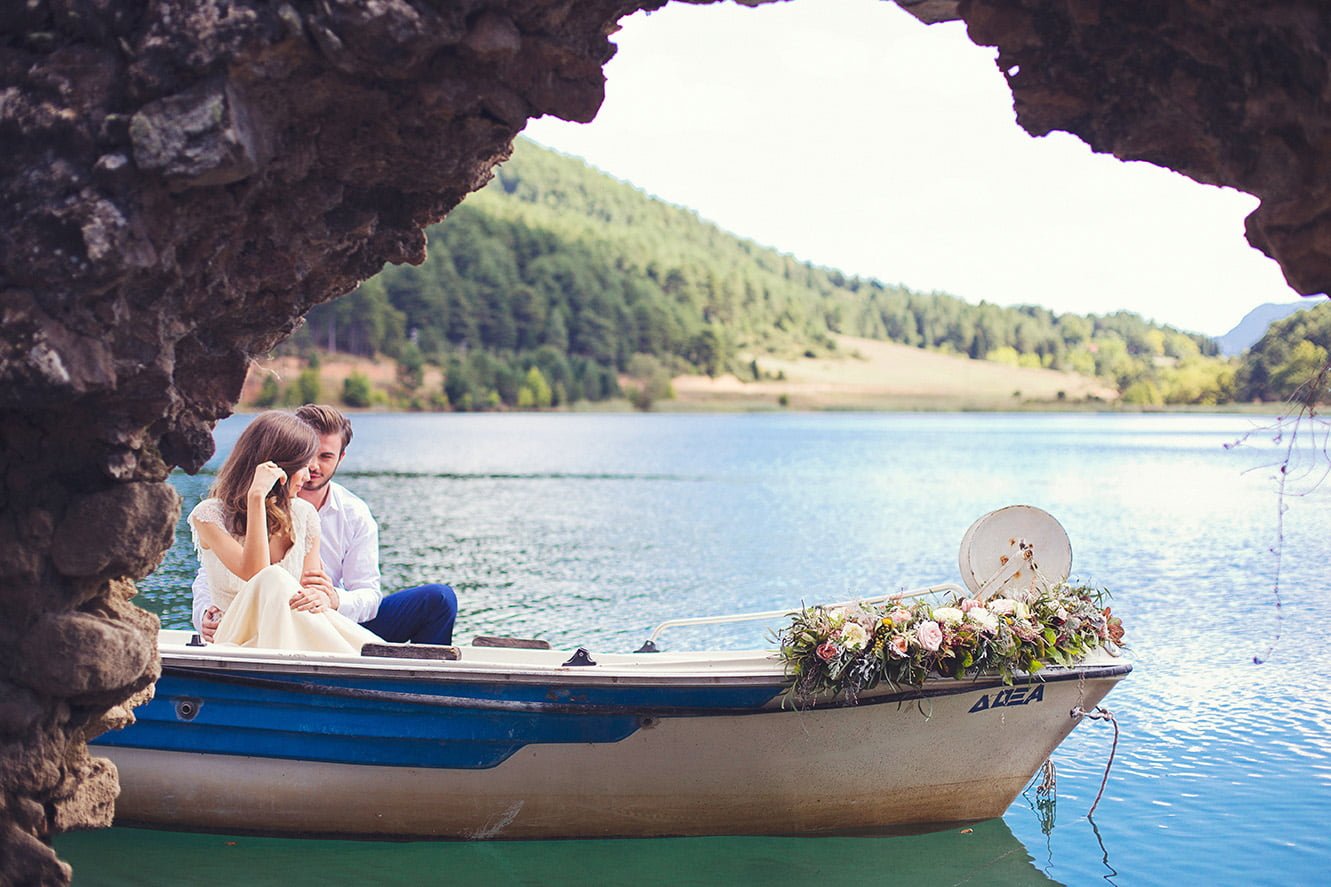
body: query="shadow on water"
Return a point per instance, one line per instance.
(989, 855)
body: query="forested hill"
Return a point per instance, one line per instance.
(557, 266)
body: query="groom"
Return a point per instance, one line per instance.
(349, 549)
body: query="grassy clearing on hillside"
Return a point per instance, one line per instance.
(876, 375)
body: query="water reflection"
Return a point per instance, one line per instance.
(987, 854)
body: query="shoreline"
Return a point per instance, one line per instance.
(621, 406)
(863, 375)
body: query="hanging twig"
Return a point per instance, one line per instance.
(1299, 424)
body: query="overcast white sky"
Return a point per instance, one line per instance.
(850, 135)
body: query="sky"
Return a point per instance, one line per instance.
(850, 135)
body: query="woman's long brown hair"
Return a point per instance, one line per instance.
(273, 436)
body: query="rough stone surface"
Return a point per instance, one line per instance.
(183, 179)
(80, 547)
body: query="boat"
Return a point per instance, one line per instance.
(509, 739)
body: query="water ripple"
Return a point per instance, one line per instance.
(590, 530)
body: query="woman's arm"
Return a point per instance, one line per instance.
(316, 593)
(248, 558)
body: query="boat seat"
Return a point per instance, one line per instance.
(411, 651)
(511, 643)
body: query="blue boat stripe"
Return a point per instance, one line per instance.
(211, 712)
(476, 703)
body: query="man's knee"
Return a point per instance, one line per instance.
(440, 598)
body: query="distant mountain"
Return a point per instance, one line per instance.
(1254, 324)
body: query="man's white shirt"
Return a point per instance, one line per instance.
(349, 549)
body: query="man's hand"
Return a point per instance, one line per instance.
(212, 617)
(316, 592)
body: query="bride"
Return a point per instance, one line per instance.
(255, 537)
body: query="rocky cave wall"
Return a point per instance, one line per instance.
(183, 179)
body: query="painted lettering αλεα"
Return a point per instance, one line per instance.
(1008, 698)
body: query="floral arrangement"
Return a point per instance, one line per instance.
(847, 650)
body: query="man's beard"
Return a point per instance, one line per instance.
(314, 486)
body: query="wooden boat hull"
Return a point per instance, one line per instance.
(640, 747)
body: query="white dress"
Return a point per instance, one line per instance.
(258, 613)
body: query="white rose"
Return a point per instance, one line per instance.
(983, 618)
(1002, 606)
(853, 636)
(950, 615)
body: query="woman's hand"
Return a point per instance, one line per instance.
(266, 474)
(311, 599)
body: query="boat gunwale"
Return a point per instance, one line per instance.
(935, 688)
(663, 669)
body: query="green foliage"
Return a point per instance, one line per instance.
(554, 259)
(1143, 392)
(306, 388)
(356, 391)
(270, 393)
(535, 391)
(1290, 355)
(410, 366)
(651, 381)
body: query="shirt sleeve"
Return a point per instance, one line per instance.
(203, 597)
(208, 511)
(360, 594)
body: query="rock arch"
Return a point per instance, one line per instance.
(184, 179)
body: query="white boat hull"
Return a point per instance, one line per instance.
(877, 767)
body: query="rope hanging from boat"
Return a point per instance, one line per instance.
(1046, 796)
(1100, 714)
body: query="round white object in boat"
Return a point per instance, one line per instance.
(1009, 547)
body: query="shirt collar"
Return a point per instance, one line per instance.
(334, 500)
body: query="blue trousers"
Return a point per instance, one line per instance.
(422, 615)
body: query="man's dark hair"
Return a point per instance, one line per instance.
(326, 420)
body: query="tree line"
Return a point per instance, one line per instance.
(557, 277)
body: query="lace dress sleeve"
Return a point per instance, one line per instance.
(209, 511)
(312, 531)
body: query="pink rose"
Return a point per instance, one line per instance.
(827, 651)
(930, 635)
(899, 615)
(899, 646)
(969, 604)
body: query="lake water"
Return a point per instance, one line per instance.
(590, 529)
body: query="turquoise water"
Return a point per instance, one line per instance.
(590, 529)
